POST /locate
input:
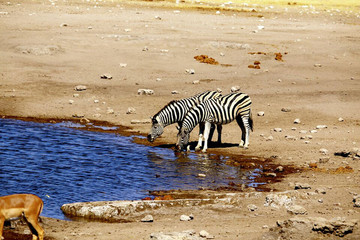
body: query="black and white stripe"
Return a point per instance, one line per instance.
(175, 111)
(222, 110)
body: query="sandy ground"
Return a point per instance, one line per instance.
(48, 47)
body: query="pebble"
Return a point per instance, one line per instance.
(321, 126)
(297, 210)
(324, 151)
(286, 109)
(277, 130)
(201, 175)
(289, 137)
(279, 169)
(106, 76)
(204, 234)
(76, 95)
(261, 114)
(148, 218)
(145, 92)
(80, 88)
(186, 218)
(78, 115)
(340, 119)
(317, 65)
(131, 110)
(302, 186)
(297, 121)
(123, 65)
(175, 92)
(110, 111)
(196, 82)
(190, 71)
(324, 159)
(235, 89)
(252, 207)
(270, 174)
(71, 101)
(270, 138)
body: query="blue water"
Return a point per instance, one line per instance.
(64, 165)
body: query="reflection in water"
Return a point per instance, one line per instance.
(63, 165)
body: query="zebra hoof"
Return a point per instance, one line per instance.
(197, 148)
(204, 150)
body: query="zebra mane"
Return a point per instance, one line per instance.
(167, 105)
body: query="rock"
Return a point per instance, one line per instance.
(131, 110)
(337, 226)
(320, 190)
(324, 151)
(286, 109)
(261, 114)
(302, 186)
(186, 218)
(230, 45)
(76, 95)
(80, 88)
(277, 130)
(340, 119)
(288, 137)
(164, 50)
(190, 71)
(185, 235)
(356, 201)
(97, 115)
(63, 25)
(205, 234)
(235, 89)
(279, 169)
(343, 154)
(196, 82)
(321, 126)
(106, 76)
(252, 207)
(270, 138)
(110, 111)
(145, 49)
(78, 115)
(278, 200)
(148, 218)
(175, 92)
(270, 174)
(71, 101)
(123, 65)
(145, 92)
(297, 210)
(297, 121)
(317, 65)
(39, 49)
(201, 175)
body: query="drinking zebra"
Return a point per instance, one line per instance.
(174, 112)
(222, 110)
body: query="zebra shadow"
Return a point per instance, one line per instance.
(194, 143)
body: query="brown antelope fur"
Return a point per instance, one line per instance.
(18, 205)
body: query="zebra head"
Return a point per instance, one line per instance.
(183, 137)
(156, 130)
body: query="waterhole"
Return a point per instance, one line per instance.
(63, 164)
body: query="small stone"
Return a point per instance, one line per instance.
(130, 110)
(164, 50)
(260, 27)
(324, 159)
(123, 65)
(219, 90)
(185, 218)
(144, 121)
(279, 169)
(110, 111)
(297, 210)
(201, 175)
(317, 65)
(90, 27)
(261, 114)
(97, 115)
(302, 186)
(71, 101)
(320, 200)
(340, 119)
(80, 88)
(158, 17)
(270, 138)
(321, 126)
(356, 201)
(204, 234)
(235, 89)
(190, 71)
(252, 207)
(148, 218)
(303, 131)
(270, 174)
(127, 30)
(324, 151)
(145, 92)
(63, 25)
(78, 115)
(76, 95)
(289, 137)
(286, 109)
(196, 82)
(277, 130)
(106, 76)
(297, 121)
(158, 79)
(320, 190)
(174, 92)
(145, 49)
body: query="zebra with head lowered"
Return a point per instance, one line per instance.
(222, 110)
(175, 111)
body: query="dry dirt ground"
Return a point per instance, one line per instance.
(49, 47)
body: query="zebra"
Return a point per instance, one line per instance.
(174, 112)
(220, 111)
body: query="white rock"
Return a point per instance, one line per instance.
(164, 50)
(80, 88)
(145, 92)
(174, 92)
(204, 234)
(297, 210)
(317, 65)
(196, 82)
(110, 111)
(324, 151)
(106, 76)
(277, 130)
(297, 121)
(123, 65)
(201, 175)
(261, 113)
(148, 218)
(260, 27)
(185, 218)
(235, 89)
(71, 101)
(130, 110)
(252, 207)
(270, 138)
(303, 131)
(321, 126)
(96, 101)
(76, 95)
(158, 79)
(190, 71)
(340, 119)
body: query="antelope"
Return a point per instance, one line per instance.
(18, 205)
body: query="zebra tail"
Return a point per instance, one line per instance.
(251, 122)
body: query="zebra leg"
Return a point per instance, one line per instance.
(245, 120)
(219, 129)
(206, 135)
(212, 130)
(240, 122)
(201, 132)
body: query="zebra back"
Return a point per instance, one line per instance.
(176, 110)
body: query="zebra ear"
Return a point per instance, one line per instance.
(178, 128)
